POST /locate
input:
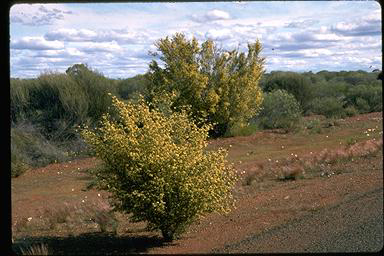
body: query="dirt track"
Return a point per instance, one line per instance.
(355, 225)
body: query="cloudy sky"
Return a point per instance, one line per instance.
(115, 38)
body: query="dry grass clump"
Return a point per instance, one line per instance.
(35, 249)
(322, 164)
(57, 215)
(71, 216)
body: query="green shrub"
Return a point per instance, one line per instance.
(328, 106)
(280, 109)
(19, 98)
(29, 148)
(294, 83)
(351, 111)
(366, 98)
(362, 105)
(156, 166)
(130, 87)
(314, 126)
(244, 130)
(96, 88)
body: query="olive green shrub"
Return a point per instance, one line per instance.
(280, 110)
(156, 166)
(329, 107)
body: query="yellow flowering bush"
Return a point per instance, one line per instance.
(156, 166)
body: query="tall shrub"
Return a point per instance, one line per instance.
(156, 166)
(221, 86)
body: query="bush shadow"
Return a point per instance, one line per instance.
(94, 243)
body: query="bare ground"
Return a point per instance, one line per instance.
(265, 210)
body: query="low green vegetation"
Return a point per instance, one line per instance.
(280, 110)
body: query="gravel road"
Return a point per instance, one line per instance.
(355, 225)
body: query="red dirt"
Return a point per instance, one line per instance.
(259, 207)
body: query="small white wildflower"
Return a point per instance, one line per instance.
(98, 194)
(78, 168)
(291, 154)
(369, 130)
(295, 155)
(83, 201)
(29, 219)
(368, 134)
(269, 159)
(230, 145)
(73, 189)
(277, 161)
(326, 136)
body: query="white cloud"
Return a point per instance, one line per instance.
(70, 34)
(219, 34)
(210, 16)
(115, 38)
(369, 26)
(35, 43)
(302, 24)
(36, 14)
(87, 35)
(93, 47)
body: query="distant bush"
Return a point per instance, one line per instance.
(57, 103)
(366, 98)
(328, 106)
(280, 109)
(29, 148)
(156, 167)
(19, 98)
(96, 88)
(351, 111)
(244, 130)
(131, 87)
(294, 83)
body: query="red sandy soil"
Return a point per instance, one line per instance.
(260, 207)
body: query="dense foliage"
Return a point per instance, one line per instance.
(130, 88)
(296, 84)
(156, 166)
(280, 109)
(218, 85)
(45, 110)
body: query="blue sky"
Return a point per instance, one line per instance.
(115, 38)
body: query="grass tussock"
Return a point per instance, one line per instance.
(71, 217)
(35, 249)
(320, 164)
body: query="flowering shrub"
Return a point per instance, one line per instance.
(156, 166)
